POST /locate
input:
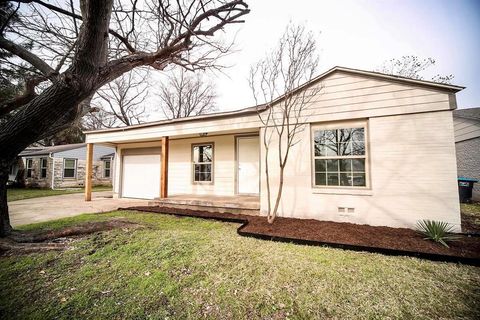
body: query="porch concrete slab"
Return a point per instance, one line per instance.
(239, 201)
(55, 207)
(239, 204)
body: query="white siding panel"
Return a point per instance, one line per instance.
(413, 176)
(180, 170)
(343, 96)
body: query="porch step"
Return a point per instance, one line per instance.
(210, 205)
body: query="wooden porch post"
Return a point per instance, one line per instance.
(88, 172)
(164, 171)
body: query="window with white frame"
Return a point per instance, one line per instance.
(107, 168)
(43, 167)
(340, 157)
(69, 168)
(29, 167)
(202, 156)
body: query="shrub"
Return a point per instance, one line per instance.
(437, 231)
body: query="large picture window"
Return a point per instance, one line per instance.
(202, 162)
(69, 168)
(340, 157)
(43, 167)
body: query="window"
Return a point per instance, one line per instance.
(106, 168)
(29, 166)
(202, 162)
(69, 168)
(339, 157)
(43, 167)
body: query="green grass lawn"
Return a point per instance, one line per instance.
(15, 194)
(188, 268)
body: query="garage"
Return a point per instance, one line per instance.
(141, 173)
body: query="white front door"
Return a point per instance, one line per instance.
(141, 176)
(248, 162)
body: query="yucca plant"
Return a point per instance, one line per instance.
(437, 231)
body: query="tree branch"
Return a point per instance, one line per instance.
(122, 39)
(29, 57)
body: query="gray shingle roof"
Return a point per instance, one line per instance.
(51, 149)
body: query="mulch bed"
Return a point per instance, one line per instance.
(393, 241)
(469, 225)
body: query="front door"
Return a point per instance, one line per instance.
(248, 165)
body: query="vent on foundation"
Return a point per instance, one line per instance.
(345, 210)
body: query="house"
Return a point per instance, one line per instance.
(64, 166)
(467, 144)
(404, 169)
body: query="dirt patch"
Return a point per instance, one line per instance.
(27, 242)
(347, 235)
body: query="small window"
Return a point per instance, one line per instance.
(69, 168)
(43, 167)
(340, 157)
(29, 167)
(107, 168)
(203, 163)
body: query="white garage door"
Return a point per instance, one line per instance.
(141, 176)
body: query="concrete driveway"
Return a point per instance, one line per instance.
(55, 207)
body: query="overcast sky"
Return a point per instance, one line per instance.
(362, 34)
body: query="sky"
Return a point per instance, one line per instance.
(361, 34)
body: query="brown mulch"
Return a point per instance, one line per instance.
(336, 233)
(469, 224)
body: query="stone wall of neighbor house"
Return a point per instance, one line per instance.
(79, 180)
(468, 162)
(35, 181)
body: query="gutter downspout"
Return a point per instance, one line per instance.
(52, 186)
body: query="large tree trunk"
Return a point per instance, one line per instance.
(56, 105)
(5, 227)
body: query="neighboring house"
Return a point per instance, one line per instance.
(404, 169)
(467, 143)
(64, 166)
(18, 165)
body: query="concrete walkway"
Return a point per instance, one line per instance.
(55, 207)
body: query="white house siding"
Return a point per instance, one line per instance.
(180, 169)
(412, 176)
(343, 97)
(411, 153)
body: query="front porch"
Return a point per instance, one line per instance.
(239, 204)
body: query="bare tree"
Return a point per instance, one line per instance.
(78, 48)
(186, 94)
(276, 81)
(412, 67)
(122, 100)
